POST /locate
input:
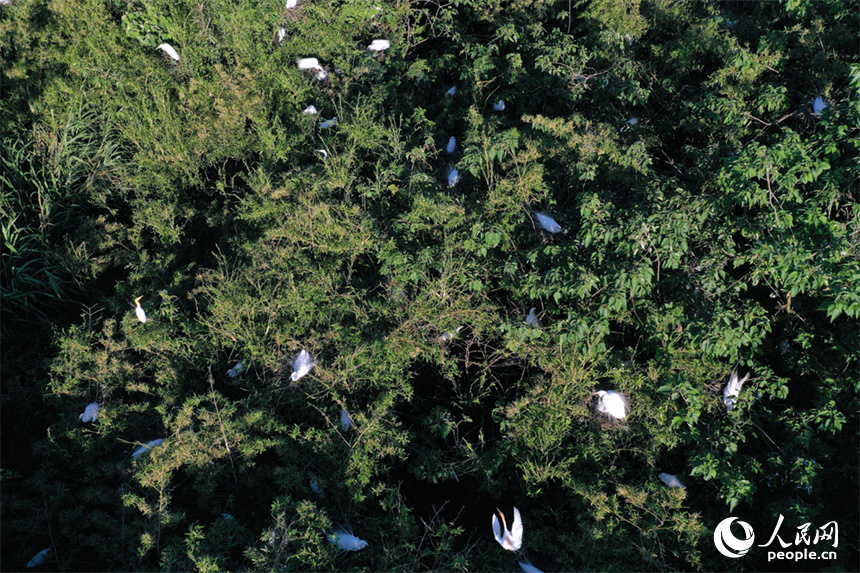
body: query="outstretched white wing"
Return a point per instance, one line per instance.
(497, 530)
(517, 530)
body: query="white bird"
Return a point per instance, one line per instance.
(532, 318)
(322, 152)
(818, 105)
(168, 49)
(452, 91)
(236, 370)
(317, 488)
(452, 145)
(527, 567)
(91, 413)
(379, 45)
(612, 403)
(449, 336)
(345, 420)
(327, 123)
(302, 364)
(512, 539)
(453, 177)
(671, 480)
(346, 541)
(547, 222)
(146, 447)
(291, 4)
(310, 110)
(141, 314)
(282, 33)
(732, 389)
(499, 105)
(308, 64)
(629, 123)
(39, 558)
(321, 75)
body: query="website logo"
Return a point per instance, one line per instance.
(728, 544)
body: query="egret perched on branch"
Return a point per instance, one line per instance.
(292, 4)
(346, 541)
(452, 145)
(39, 558)
(168, 49)
(302, 364)
(527, 567)
(532, 319)
(345, 420)
(446, 337)
(317, 488)
(141, 314)
(236, 370)
(732, 389)
(499, 105)
(818, 105)
(379, 45)
(511, 539)
(671, 480)
(146, 447)
(453, 177)
(91, 413)
(310, 110)
(327, 123)
(282, 33)
(628, 124)
(308, 64)
(452, 91)
(612, 403)
(548, 223)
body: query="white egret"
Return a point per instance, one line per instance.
(345, 420)
(732, 389)
(146, 447)
(818, 105)
(310, 110)
(629, 123)
(449, 336)
(671, 480)
(302, 364)
(282, 33)
(346, 541)
(612, 403)
(511, 539)
(327, 123)
(379, 45)
(452, 145)
(39, 558)
(141, 314)
(322, 152)
(91, 413)
(321, 75)
(168, 49)
(548, 223)
(308, 64)
(532, 319)
(236, 370)
(499, 105)
(453, 177)
(452, 91)
(291, 4)
(317, 488)
(527, 567)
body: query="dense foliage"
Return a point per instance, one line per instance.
(717, 230)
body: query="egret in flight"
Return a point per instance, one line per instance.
(511, 539)
(168, 49)
(548, 223)
(612, 403)
(732, 389)
(141, 314)
(91, 413)
(346, 541)
(302, 364)
(671, 480)
(39, 558)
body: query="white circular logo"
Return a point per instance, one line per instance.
(728, 544)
